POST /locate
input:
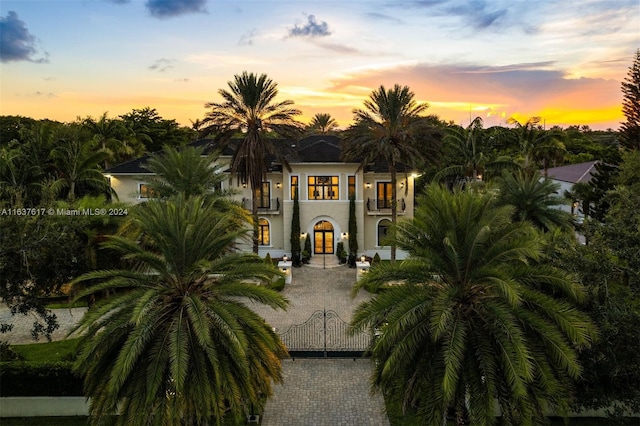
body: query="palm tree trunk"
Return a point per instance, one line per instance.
(254, 215)
(394, 212)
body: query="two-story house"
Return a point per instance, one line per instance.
(324, 183)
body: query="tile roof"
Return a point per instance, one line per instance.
(573, 173)
(311, 149)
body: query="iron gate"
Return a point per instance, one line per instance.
(325, 334)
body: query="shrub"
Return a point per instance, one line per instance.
(267, 259)
(39, 379)
(277, 285)
(376, 259)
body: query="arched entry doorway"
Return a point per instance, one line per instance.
(323, 238)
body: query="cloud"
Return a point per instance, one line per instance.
(338, 48)
(181, 80)
(383, 17)
(171, 8)
(16, 42)
(311, 29)
(119, 1)
(247, 38)
(48, 95)
(496, 92)
(478, 15)
(162, 64)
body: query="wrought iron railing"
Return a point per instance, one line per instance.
(383, 205)
(264, 205)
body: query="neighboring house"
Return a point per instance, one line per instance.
(567, 177)
(324, 184)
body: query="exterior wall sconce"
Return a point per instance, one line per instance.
(401, 184)
(278, 185)
(368, 185)
(344, 235)
(284, 258)
(362, 258)
(303, 235)
(244, 185)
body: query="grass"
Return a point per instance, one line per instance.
(67, 305)
(63, 350)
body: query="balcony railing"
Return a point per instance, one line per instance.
(382, 206)
(271, 206)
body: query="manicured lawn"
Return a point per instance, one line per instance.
(67, 305)
(63, 350)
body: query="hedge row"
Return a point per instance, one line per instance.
(39, 379)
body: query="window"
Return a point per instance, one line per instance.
(352, 186)
(145, 191)
(263, 196)
(263, 232)
(323, 188)
(294, 187)
(384, 195)
(383, 229)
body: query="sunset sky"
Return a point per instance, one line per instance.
(561, 60)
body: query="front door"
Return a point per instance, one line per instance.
(323, 237)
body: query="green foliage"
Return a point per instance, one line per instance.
(533, 199)
(630, 128)
(322, 124)
(341, 253)
(376, 259)
(179, 346)
(39, 379)
(353, 232)
(268, 260)
(295, 232)
(476, 317)
(277, 285)
(307, 247)
(147, 127)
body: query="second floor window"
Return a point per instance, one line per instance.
(263, 196)
(323, 188)
(294, 187)
(384, 195)
(352, 186)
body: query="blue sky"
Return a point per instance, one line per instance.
(562, 60)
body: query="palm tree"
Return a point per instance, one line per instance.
(322, 124)
(78, 163)
(188, 172)
(475, 316)
(470, 147)
(384, 132)
(107, 134)
(249, 108)
(534, 199)
(176, 345)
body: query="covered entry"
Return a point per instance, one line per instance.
(323, 237)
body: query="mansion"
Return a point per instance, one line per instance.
(324, 183)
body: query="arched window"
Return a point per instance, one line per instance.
(264, 236)
(383, 227)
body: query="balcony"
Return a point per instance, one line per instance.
(382, 207)
(271, 206)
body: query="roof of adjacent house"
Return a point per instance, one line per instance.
(573, 173)
(311, 149)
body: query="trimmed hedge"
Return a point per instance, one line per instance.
(39, 379)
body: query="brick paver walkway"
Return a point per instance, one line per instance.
(325, 392)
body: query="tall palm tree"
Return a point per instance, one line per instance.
(78, 163)
(475, 316)
(383, 131)
(534, 199)
(322, 124)
(176, 346)
(250, 109)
